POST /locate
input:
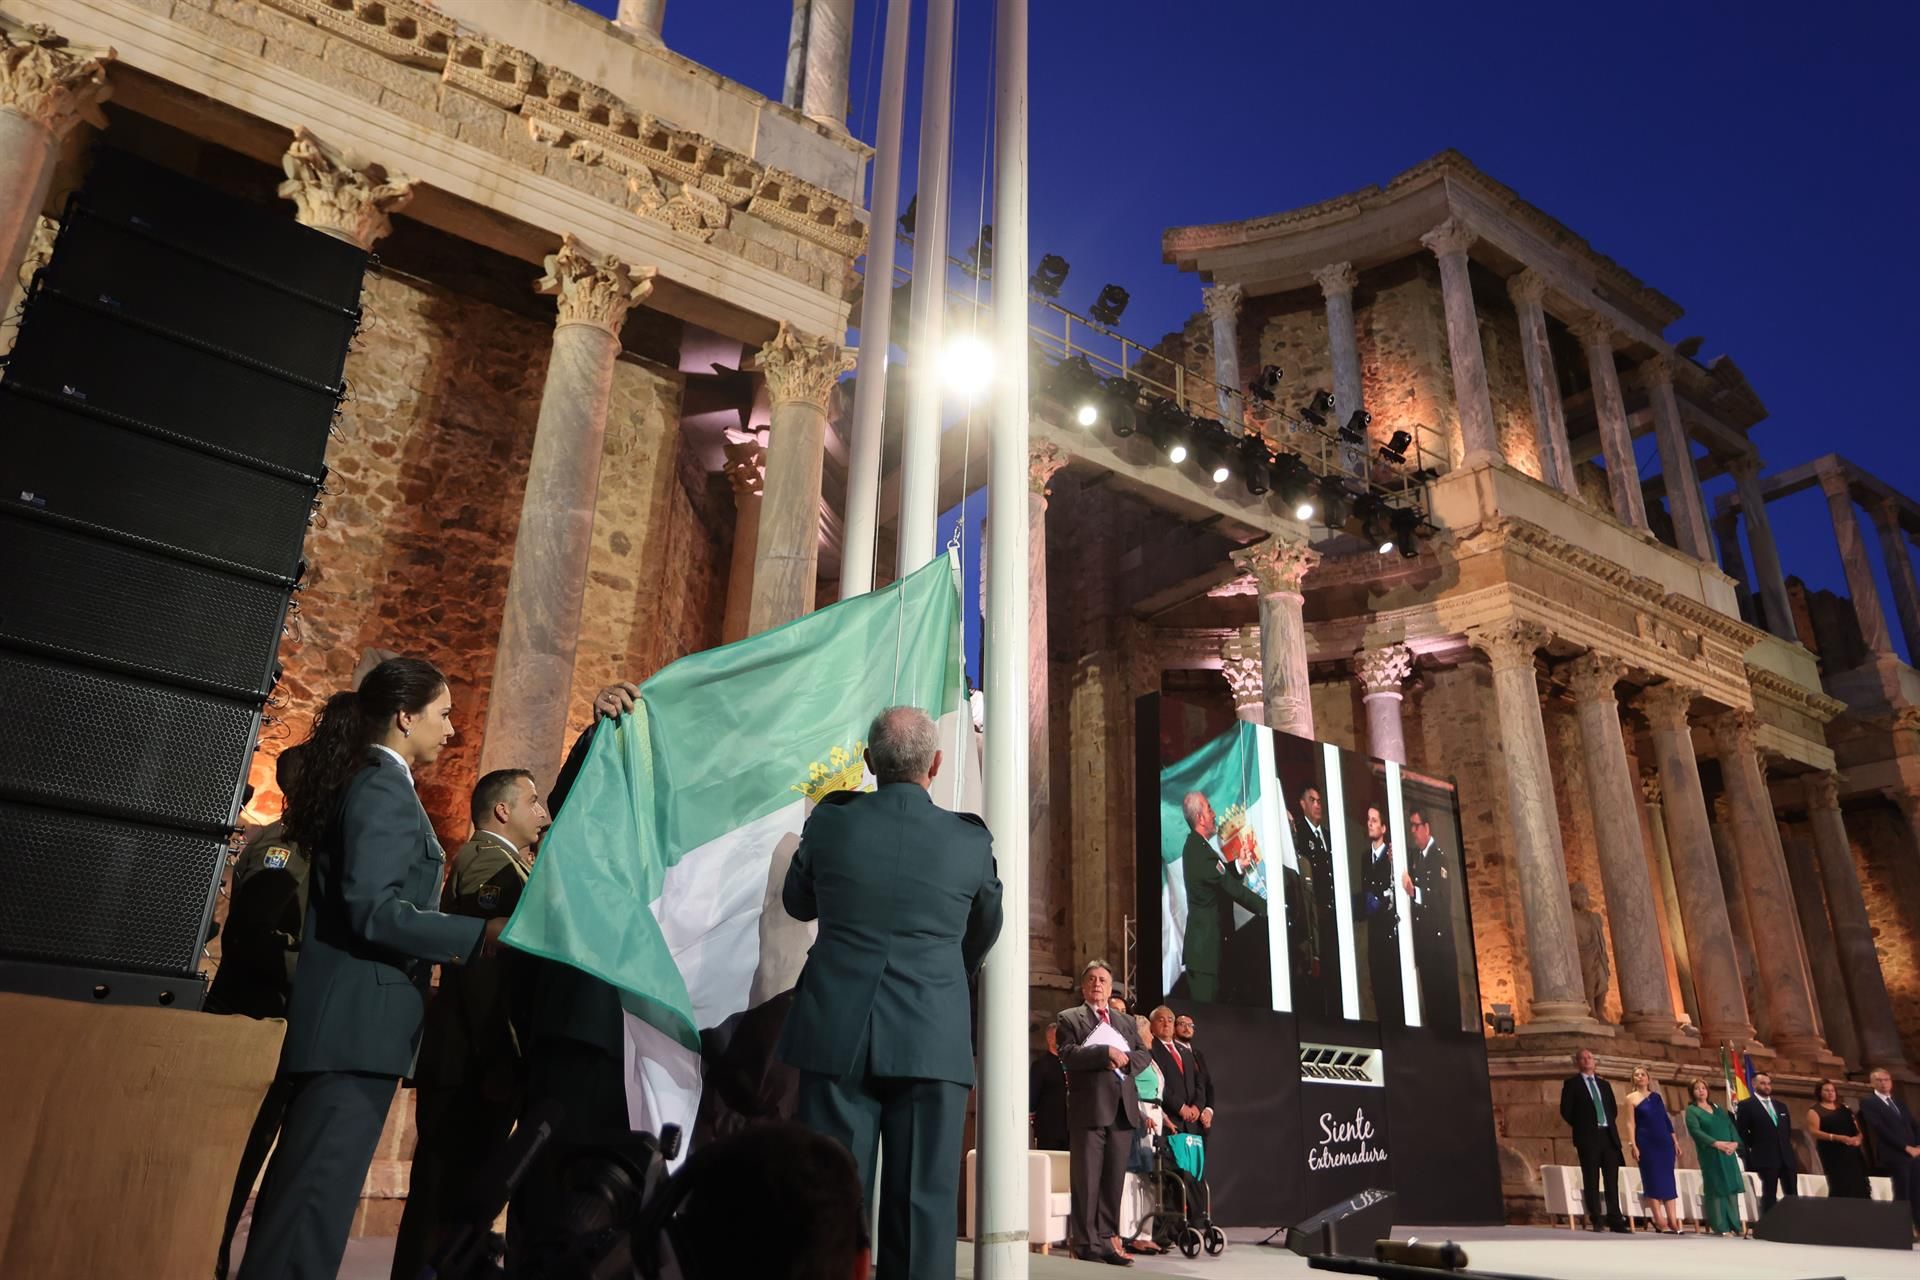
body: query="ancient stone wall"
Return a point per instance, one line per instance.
(1580, 845)
(1890, 883)
(1506, 374)
(1338, 716)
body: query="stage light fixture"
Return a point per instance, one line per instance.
(1335, 501)
(1395, 449)
(1368, 521)
(1316, 409)
(966, 364)
(1293, 480)
(1049, 276)
(1256, 465)
(1406, 528)
(1211, 444)
(1501, 1019)
(1267, 385)
(907, 218)
(1170, 429)
(980, 254)
(1355, 431)
(1110, 305)
(1121, 404)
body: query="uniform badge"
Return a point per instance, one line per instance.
(489, 896)
(276, 860)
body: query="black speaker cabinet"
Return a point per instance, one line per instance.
(1863, 1224)
(1348, 1228)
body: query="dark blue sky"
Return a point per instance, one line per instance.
(1753, 161)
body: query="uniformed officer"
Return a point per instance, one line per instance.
(908, 903)
(468, 1079)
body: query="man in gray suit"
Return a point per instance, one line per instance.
(908, 903)
(1103, 1110)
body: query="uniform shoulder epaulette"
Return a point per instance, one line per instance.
(841, 797)
(974, 818)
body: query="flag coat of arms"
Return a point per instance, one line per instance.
(662, 871)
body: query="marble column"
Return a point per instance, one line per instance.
(1632, 914)
(801, 371)
(1899, 561)
(819, 49)
(1696, 874)
(1854, 559)
(1223, 308)
(1529, 292)
(1733, 563)
(532, 689)
(1769, 581)
(1479, 438)
(1336, 286)
(1278, 568)
(1733, 889)
(1382, 674)
(746, 468)
(1044, 461)
(1684, 503)
(1610, 410)
(47, 86)
(1852, 929)
(644, 18)
(344, 196)
(1553, 956)
(1653, 834)
(1240, 664)
(1823, 953)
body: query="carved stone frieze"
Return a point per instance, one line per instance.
(405, 30)
(593, 289)
(807, 210)
(491, 71)
(1811, 702)
(1681, 641)
(803, 366)
(341, 194)
(50, 82)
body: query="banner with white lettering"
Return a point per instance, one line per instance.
(1346, 1148)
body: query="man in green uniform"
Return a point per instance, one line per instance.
(1212, 889)
(468, 1077)
(908, 903)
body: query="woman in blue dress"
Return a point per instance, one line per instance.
(1650, 1145)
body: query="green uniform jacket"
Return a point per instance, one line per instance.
(1211, 893)
(372, 934)
(468, 1039)
(260, 944)
(908, 903)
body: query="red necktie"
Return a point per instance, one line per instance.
(1103, 1018)
(1178, 1061)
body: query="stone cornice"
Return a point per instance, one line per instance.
(1810, 701)
(404, 30)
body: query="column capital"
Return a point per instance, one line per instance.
(1528, 287)
(1223, 301)
(1666, 705)
(1593, 330)
(1745, 467)
(593, 289)
(1823, 791)
(1240, 664)
(1656, 368)
(1383, 670)
(1884, 509)
(1909, 802)
(1509, 644)
(1336, 278)
(51, 83)
(803, 366)
(1732, 732)
(1593, 675)
(1044, 461)
(1650, 786)
(39, 248)
(1276, 565)
(1454, 236)
(340, 194)
(1834, 483)
(745, 461)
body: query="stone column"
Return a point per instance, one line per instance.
(1044, 460)
(1653, 833)
(1559, 992)
(1240, 664)
(1852, 929)
(1381, 673)
(1336, 286)
(1823, 954)
(540, 624)
(1479, 439)
(1278, 568)
(1684, 502)
(644, 18)
(1899, 562)
(1616, 438)
(819, 46)
(1529, 291)
(1853, 558)
(1734, 891)
(1769, 581)
(1632, 916)
(342, 195)
(1223, 308)
(746, 468)
(1696, 874)
(1733, 563)
(46, 88)
(801, 371)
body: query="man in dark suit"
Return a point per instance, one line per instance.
(1896, 1140)
(1212, 889)
(1381, 911)
(1179, 1074)
(880, 1029)
(1201, 1090)
(1766, 1131)
(1588, 1106)
(1318, 979)
(1428, 881)
(1047, 1096)
(1103, 1111)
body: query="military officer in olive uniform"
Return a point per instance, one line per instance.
(908, 903)
(1212, 891)
(467, 1081)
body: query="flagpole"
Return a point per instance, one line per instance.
(920, 449)
(876, 315)
(1001, 1227)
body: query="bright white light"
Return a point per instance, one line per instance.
(1177, 453)
(1386, 546)
(966, 366)
(1303, 512)
(1220, 474)
(1087, 415)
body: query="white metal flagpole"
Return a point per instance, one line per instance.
(1000, 1233)
(876, 315)
(920, 451)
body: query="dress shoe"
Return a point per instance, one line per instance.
(1116, 1259)
(1621, 1228)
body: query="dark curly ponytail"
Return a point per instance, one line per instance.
(336, 746)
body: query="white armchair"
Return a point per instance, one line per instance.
(1049, 1197)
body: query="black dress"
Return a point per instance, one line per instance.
(1846, 1171)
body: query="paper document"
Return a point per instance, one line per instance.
(1107, 1038)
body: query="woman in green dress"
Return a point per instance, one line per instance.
(1717, 1144)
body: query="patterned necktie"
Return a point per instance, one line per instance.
(1593, 1087)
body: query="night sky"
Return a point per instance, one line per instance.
(1755, 162)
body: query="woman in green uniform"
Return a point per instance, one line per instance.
(1718, 1146)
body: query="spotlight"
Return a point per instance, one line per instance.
(1293, 481)
(966, 365)
(1122, 404)
(1317, 409)
(1256, 465)
(1087, 414)
(1335, 501)
(906, 219)
(1395, 449)
(1110, 305)
(1406, 526)
(1501, 1019)
(1074, 384)
(1355, 432)
(1049, 276)
(980, 255)
(1169, 427)
(1210, 447)
(1267, 385)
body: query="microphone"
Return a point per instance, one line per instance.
(1446, 1256)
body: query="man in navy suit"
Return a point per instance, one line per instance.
(1896, 1140)
(1588, 1106)
(1766, 1131)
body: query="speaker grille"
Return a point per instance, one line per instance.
(92, 891)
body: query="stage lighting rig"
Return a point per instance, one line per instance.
(980, 255)
(1395, 449)
(1211, 446)
(1074, 384)
(1406, 528)
(1317, 408)
(1293, 480)
(1355, 431)
(1110, 305)
(1049, 276)
(1121, 404)
(1335, 500)
(1368, 521)
(1256, 465)
(1267, 385)
(1169, 428)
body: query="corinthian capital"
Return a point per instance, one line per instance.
(1240, 663)
(1338, 277)
(39, 248)
(1044, 461)
(335, 193)
(1509, 644)
(1656, 369)
(1733, 732)
(1650, 786)
(1592, 676)
(1223, 302)
(1450, 237)
(801, 366)
(1745, 467)
(51, 83)
(1383, 670)
(745, 460)
(1823, 791)
(1593, 330)
(1667, 704)
(1528, 287)
(593, 289)
(1278, 566)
